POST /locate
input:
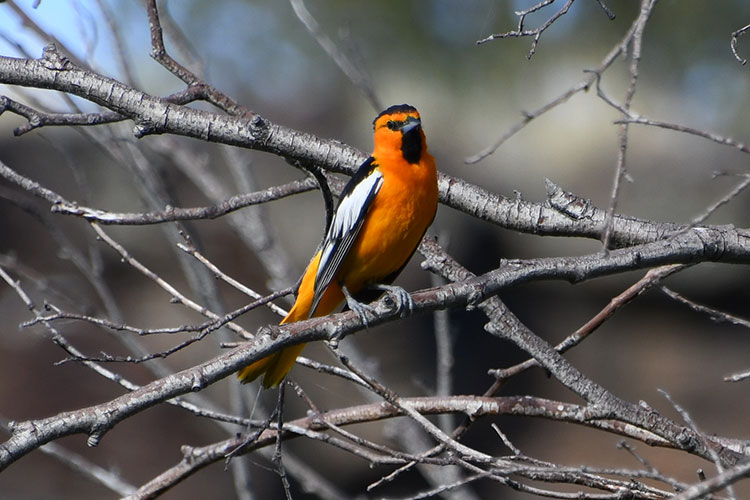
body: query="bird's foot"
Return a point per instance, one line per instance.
(359, 308)
(401, 298)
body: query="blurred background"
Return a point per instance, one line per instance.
(419, 52)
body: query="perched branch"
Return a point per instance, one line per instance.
(693, 246)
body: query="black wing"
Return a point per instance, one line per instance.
(356, 199)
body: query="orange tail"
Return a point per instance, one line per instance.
(275, 367)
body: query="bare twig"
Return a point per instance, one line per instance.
(621, 170)
(330, 370)
(505, 440)
(715, 483)
(176, 295)
(160, 54)
(428, 426)
(582, 85)
(689, 421)
(714, 314)
(236, 284)
(444, 358)
(733, 43)
(520, 31)
(355, 73)
(737, 377)
(228, 206)
(711, 136)
(83, 466)
(651, 278)
(277, 458)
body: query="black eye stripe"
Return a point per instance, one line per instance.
(392, 125)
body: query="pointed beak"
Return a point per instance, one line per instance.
(410, 124)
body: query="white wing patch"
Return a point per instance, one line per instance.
(347, 221)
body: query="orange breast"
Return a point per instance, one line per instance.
(396, 222)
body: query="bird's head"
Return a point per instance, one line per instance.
(399, 128)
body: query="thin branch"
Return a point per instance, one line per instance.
(714, 314)
(651, 278)
(57, 315)
(733, 43)
(444, 356)
(716, 483)
(429, 427)
(366, 446)
(474, 406)
(171, 214)
(537, 32)
(81, 465)
(276, 459)
(237, 285)
(359, 78)
(528, 116)
(160, 54)
(737, 377)
(176, 295)
(582, 85)
(620, 169)
(719, 139)
(330, 370)
(732, 194)
(37, 119)
(702, 436)
(505, 440)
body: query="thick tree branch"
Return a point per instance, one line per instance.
(473, 406)
(155, 115)
(696, 245)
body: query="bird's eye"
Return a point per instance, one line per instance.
(392, 125)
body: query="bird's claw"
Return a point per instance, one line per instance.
(359, 308)
(401, 298)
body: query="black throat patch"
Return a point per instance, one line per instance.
(411, 145)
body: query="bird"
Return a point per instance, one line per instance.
(382, 215)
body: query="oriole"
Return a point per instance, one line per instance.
(383, 212)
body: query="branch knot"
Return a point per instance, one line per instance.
(54, 59)
(567, 203)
